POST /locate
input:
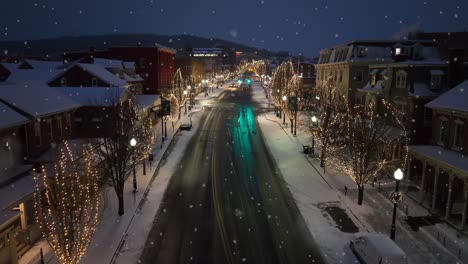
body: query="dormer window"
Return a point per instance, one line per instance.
(436, 79)
(63, 82)
(401, 79)
(94, 82)
(373, 77)
(398, 51)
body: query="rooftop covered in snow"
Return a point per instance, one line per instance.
(10, 118)
(456, 99)
(41, 100)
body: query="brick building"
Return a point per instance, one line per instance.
(155, 64)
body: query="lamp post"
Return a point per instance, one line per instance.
(396, 198)
(185, 101)
(133, 143)
(284, 116)
(314, 125)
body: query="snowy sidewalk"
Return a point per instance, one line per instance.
(321, 199)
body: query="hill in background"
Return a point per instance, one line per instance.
(57, 46)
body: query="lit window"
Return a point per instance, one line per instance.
(397, 51)
(459, 139)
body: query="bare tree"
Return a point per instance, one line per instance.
(325, 103)
(67, 204)
(368, 136)
(114, 153)
(280, 83)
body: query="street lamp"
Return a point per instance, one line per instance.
(133, 143)
(284, 116)
(314, 125)
(185, 100)
(396, 198)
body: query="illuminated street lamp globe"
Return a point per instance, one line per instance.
(314, 119)
(133, 142)
(284, 97)
(398, 175)
(185, 92)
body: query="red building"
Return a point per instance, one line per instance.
(155, 64)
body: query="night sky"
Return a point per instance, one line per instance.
(299, 26)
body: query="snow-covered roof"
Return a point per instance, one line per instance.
(455, 99)
(41, 74)
(103, 74)
(16, 191)
(108, 63)
(448, 157)
(129, 65)
(94, 96)
(10, 118)
(376, 89)
(421, 90)
(384, 245)
(129, 78)
(146, 100)
(39, 64)
(10, 66)
(35, 98)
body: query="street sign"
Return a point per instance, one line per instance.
(292, 103)
(166, 107)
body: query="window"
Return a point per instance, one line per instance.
(37, 133)
(68, 122)
(51, 129)
(373, 79)
(340, 79)
(63, 82)
(60, 126)
(358, 76)
(397, 51)
(458, 136)
(401, 79)
(436, 79)
(94, 82)
(443, 131)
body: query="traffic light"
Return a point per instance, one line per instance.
(239, 81)
(248, 81)
(166, 107)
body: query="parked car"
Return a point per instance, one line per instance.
(186, 123)
(377, 249)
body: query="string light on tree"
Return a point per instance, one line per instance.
(67, 204)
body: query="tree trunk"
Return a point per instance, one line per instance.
(291, 121)
(323, 155)
(121, 201)
(360, 194)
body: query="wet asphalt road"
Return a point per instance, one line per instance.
(226, 202)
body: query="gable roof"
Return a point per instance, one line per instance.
(108, 63)
(103, 74)
(94, 96)
(455, 99)
(39, 64)
(35, 98)
(10, 118)
(43, 75)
